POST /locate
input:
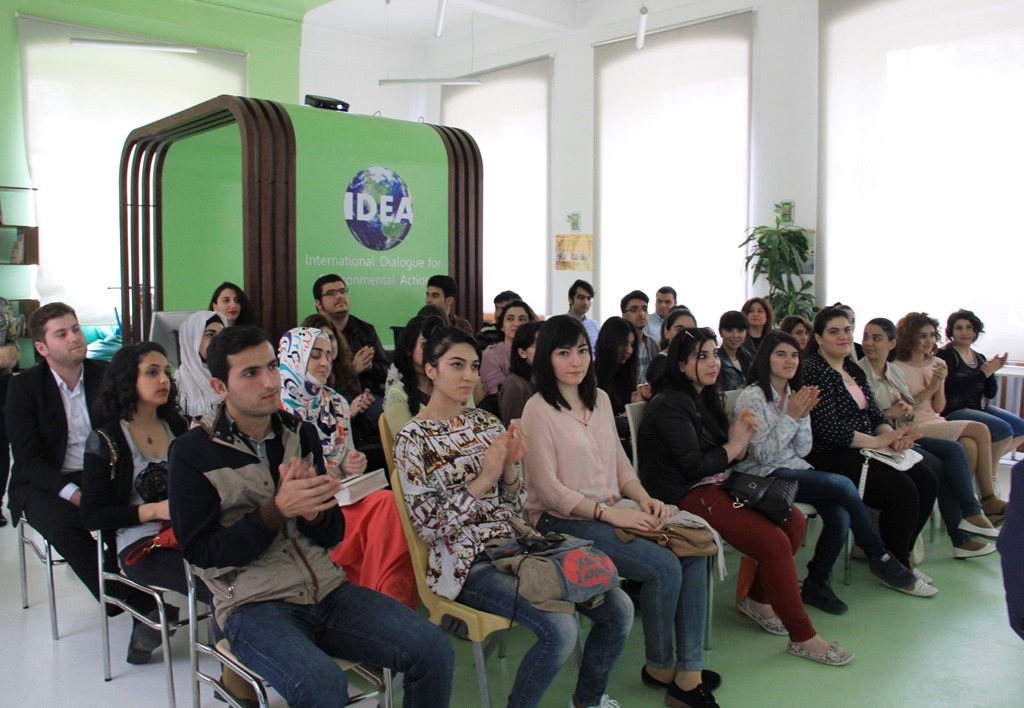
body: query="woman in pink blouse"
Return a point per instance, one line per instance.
(576, 472)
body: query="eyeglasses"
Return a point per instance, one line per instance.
(333, 293)
(637, 308)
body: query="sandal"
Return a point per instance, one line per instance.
(993, 506)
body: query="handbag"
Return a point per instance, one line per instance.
(896, 459)
(768, 495)
(555, 572)
(164, 539)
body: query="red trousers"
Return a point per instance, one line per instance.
(773, 547)
(374, 553)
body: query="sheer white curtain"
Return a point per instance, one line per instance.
(922, 156)
(508, 116)
(80, 104)
(673, 126)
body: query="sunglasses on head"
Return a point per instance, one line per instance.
(706, 332)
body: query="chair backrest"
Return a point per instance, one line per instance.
(730, 401)
(635, 414)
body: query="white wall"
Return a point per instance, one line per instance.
(784, 120)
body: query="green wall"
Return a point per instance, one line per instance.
(271, 43)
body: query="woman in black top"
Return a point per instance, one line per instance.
(847, 420)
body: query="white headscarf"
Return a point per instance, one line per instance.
(195, 395)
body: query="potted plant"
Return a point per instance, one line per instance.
(778, 254)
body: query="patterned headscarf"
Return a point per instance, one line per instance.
(310, 400)
(195, 395)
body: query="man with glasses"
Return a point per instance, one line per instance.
(581, 297)
(664, 301)
(634, 308)
(371, 363)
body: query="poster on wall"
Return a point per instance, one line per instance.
(574, 251)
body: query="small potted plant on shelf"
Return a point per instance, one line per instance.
(778, 254)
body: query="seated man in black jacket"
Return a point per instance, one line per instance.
(255, 514)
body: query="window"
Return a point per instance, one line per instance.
(507, 115)
(673, 143)
(923, 107)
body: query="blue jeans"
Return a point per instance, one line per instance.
(673, 598)
(841, 509)
(1002, 424)
(490, 590)
(291, 646)
(947, 459)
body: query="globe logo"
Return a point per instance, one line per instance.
(378, 208)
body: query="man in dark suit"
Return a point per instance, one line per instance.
(48, 420)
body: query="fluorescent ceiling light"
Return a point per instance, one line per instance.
(443, 82)
(142, 46)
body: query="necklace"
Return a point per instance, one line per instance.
(584, 419)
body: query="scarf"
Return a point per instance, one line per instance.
(310, 400)
(196, 398)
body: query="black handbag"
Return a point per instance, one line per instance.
(768, 495)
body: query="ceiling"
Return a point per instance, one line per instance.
(412, 21)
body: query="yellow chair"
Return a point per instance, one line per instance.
(458, 619)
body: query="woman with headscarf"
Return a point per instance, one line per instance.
(374, 553)
(196, 398)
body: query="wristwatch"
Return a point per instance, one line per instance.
(599, 510)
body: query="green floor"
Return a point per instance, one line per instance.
(955, 649)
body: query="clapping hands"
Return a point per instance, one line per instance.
(801, 402)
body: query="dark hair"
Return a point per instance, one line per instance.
(323, 280)
(889, 328)
(685, 344)
(445, 283)
(500, 324)
(667, 289)
(821, 320)
(525, 336)
(49, 311)
(343, 378)
(245, 313)
(907, 330)
(580, 285)
(790, 322)
(231, 340)
(670, 319)
(634, 295)
(405, 348)
(760, 371)
(505, 296)
(733, 319)
(615, 376)
(442, 339)
(976, 323)
(769, 320)
(434, 311)
(842, 306)
(119, 393)
(559, 332)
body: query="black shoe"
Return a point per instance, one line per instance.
(711, 679)
(821, 596)
(143, 643)
(891, 572)
(246, 702)
(699, 697)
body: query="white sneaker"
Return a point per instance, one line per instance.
(605, 702)
(919, 589)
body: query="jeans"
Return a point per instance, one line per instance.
(291, 646)
(947, 459)
(1002, 424)
(836, 499)
(490, 590)
(673, 598)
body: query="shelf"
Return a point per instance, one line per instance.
(18, 282)
(28, 250)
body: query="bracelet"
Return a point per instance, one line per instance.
(513, 483)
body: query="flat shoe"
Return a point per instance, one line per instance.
(699, 697)
(711, 679)
(835, 655)
(975, 530)
(772, 625)
(962, 553)
(921, 576)
(919, 589)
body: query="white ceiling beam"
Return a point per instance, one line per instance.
(548, 14)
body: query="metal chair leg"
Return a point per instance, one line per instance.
(481, 674)
(21, 564)
(50, 589)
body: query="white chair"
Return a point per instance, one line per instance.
(380, 685)
(161, 624)
(45, 555)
